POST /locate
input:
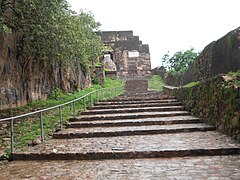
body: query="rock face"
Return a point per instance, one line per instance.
(159, 71)
(132, 58)
(216, 100)
(23, 80)
(221, 56)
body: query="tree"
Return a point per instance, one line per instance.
(51, 31)
(180, 61)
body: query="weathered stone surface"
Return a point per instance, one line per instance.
(221, 56)
(136, 85)
(134, 101)
(186, 168)
(174, 136)
(21, 82)
(130, 115)
(159, 71)
(131, 130)
(95, 107)
(139, 146)
(216, 101)
(135, 122)
(99, 75)
(123, 44)
(129, 110)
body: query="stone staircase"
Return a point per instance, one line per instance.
(139, 85)
(133, 126)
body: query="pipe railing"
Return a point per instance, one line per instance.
(100, 93)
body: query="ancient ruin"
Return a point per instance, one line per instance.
(125, 53)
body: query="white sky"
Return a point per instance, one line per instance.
(166, 25)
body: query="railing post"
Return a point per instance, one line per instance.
(60, 114)
(91, 100)
(97, 94)
(41, 124)
(84, 104)
(12, 136)
(74, 111)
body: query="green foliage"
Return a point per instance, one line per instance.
(28, 129)
(60, 98)
(234, 79)
(230, 40)
(155, 83)
(110, 83)
(107, 70)
(191, 84)
(180, 61)
(234, 73)
(56, 94)
(51, 31)
(95, 80)
(98, 64)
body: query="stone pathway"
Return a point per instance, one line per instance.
(186, 168)
(149, 136)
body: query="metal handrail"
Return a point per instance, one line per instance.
(11, 119)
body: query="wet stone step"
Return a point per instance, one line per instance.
(210, 143)
(135, 105)
(135, 102)
(131, 130)
(129, 116)
(135, 122)
(133, 110)
(138, 99)
(181, 168)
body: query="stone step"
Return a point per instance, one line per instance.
(135, 102)
(210, 143)
(130, 130)
(180, 168)
(149, 94)
(135, 105)
(140, 99)
(134, 110)
(135, 122)
(136, 86)
(137, 115)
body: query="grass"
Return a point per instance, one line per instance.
(235, 74)
(191, 84)
(28, 129)
(235, 78)
(155, 82)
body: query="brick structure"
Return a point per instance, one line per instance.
(132, 58)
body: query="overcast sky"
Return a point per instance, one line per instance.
(166, 25)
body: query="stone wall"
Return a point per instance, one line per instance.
(220, 56)
(123, 44)
(111, 74)
(25, 79)
(159, 71)
(99, 75)
(216, 100)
